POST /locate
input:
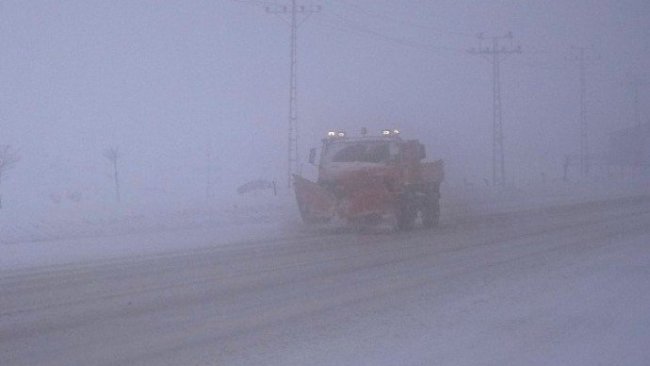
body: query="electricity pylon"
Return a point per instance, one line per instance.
(495, 53)
(293, 154)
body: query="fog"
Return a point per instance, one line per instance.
(140, 140)
(168, 82)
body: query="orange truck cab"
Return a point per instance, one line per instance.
(366, 180)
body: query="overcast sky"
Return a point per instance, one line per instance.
(164, 80)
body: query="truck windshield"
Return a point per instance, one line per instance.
(364, 151)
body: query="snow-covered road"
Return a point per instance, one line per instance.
(562, 285)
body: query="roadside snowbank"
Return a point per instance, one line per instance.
(463, 201)
(76, 235)
(81, 222)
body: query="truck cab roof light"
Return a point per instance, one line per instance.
(394, 131)
(336, 134)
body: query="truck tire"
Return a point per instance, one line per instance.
(431, 209)
(406, 214)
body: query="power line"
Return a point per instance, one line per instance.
(497, 52)
(348, 26)
(532, 65)
(403, 22)
(258, 2)
(355, 27)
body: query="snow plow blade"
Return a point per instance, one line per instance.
(315, 203)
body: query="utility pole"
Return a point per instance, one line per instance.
(636, 84)
(208, 171)
(495, 53)
(294, 11)
(113, 155)
(582, 57)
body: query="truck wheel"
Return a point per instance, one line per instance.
(406, 215)
(431, 214)
(431, 210)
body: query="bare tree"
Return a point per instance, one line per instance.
(8, 159)
(113, 155)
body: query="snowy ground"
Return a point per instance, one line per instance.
(77, 235)
(68, 235)
(508, 279)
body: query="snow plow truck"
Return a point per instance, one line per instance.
(370, 180)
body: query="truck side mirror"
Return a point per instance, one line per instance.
(312, 156)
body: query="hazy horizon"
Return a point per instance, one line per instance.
(163, 81)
